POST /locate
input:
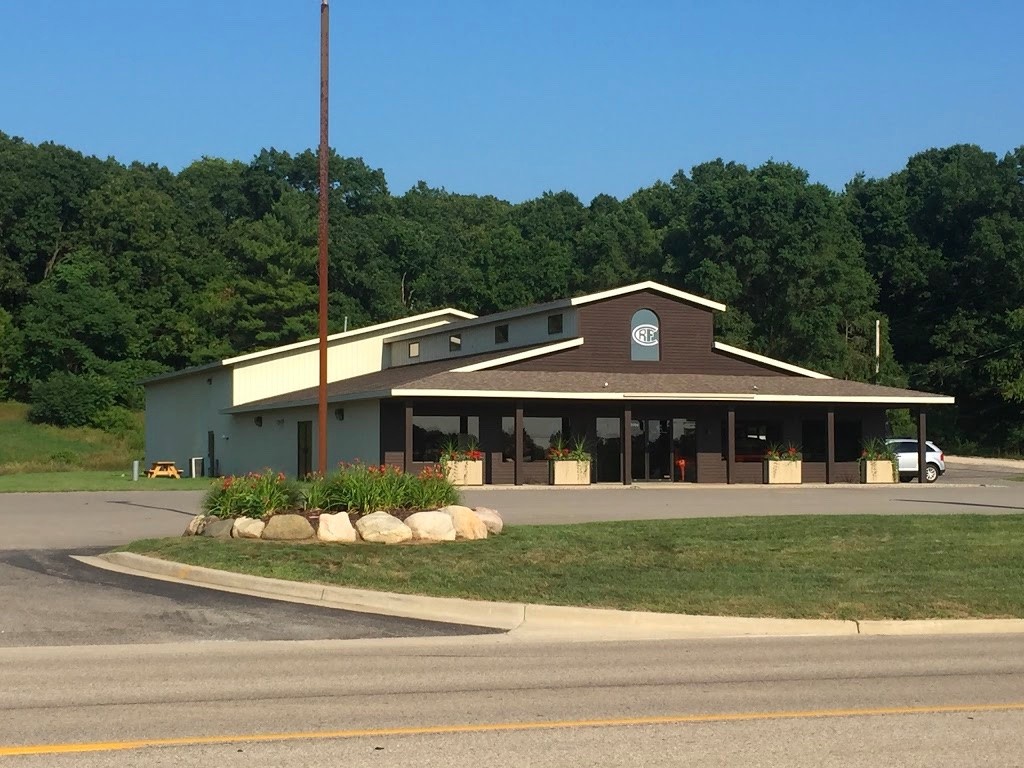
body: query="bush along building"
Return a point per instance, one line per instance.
(632, 377)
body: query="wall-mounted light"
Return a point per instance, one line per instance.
(280, 422)
(258, 421)
(339, 414)
(209, 381)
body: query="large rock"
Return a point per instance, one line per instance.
(467, 524)
(288, 528)
(431, 526)
(490, 518)
(248, 528)
(195, 526)
(383, 528)
(218, 529)
(336, 528)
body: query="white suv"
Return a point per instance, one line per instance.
(906, 451)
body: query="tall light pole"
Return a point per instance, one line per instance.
(325, 15)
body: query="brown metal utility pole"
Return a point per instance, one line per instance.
(324, 191)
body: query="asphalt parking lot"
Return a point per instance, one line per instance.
(48, 598)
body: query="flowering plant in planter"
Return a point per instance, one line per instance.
(560, 451)
(463, 466)
(783, 465)
(776, 452)
(451, 451)
(568, 465)
(876, 449)
(874, 453)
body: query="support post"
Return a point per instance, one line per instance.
(830, 446)
(922, 448)
(730, 445)
(520, 447)
(627, 446)
(407, 461)
(322, 243)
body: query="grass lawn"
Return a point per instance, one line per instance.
(95, 481)
(28, 447)
(848, 567)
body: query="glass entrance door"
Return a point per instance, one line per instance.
(652, 449)
(663, 449)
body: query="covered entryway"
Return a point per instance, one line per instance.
(663, 450)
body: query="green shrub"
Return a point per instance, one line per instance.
(253, 495)
(359, 488)
(122, 423)
(70, 400)
(68, 458)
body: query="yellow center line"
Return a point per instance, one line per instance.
(427, 730)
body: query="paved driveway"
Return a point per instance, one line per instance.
(49, 598)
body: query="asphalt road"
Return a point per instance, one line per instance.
(455, 702)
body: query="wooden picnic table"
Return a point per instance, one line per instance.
(163, 469)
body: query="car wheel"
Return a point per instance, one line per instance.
(931, 473)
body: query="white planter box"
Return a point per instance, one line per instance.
(465, 472)
(569, 472)
(783, 472)
(876, 472)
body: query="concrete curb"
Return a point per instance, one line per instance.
(536, 621)
(986, 461)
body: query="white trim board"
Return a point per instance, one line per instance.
(515, 357)
(770, 361)
(720, 396)
(647, 285)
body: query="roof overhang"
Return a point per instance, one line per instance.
(497, 394)
(648, 285)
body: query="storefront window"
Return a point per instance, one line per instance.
(753, 439)
(430, 434)
(812, 440)
(607, 451)
(539, 433)
(848, 440)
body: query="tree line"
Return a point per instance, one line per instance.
(112, 272)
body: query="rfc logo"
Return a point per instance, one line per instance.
(646, 335)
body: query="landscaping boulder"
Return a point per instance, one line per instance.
(288, 528)
(218, 529)
(431, 526)
(195, 526)
(490, 518)
(248, 528)
(467, 524)
(383, 528)
(336, 528)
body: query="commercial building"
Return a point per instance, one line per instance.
(635, 371)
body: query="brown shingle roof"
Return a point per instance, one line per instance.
(438, 378)
(510, 380)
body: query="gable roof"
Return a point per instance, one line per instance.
(553, 306)
(472, 377)
(434, 318)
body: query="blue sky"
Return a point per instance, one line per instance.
(517, 98)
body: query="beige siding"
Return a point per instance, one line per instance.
(292, 371)
(522, 332)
